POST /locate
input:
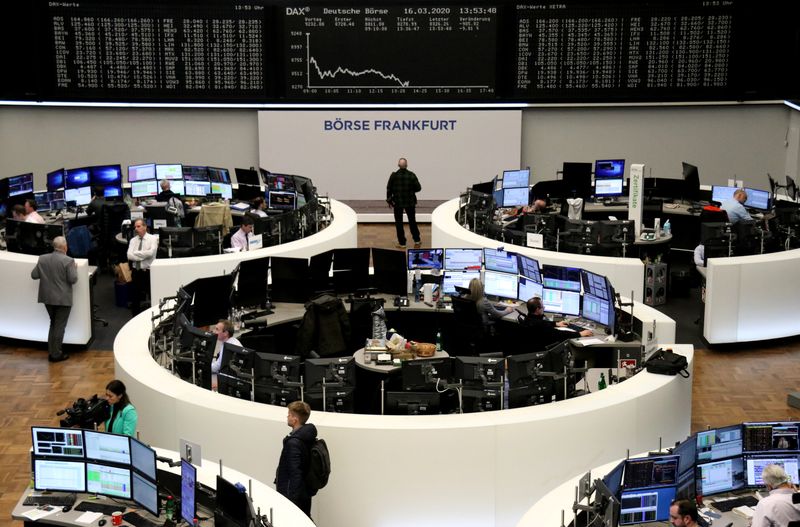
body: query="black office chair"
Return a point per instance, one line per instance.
(468, 333)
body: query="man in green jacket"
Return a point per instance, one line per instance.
(401, 195)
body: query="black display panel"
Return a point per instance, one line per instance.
(390, 52)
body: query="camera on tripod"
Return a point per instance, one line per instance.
(86, 413)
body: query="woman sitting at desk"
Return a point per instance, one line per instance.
(259, 206)
(123, 418)
(486, 310)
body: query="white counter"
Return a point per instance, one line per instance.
(625, 274)
(479, 469)
(22, 317)
(166, 275)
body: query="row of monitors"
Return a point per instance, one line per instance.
(707, 463)
(520, 178)
(152, 171)
(756, 199)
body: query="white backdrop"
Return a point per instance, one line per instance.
(467, 147)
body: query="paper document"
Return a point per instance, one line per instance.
(588, 341)
(37, 513)
(89, 517)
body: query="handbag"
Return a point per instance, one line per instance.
(123, 272)
(666, 362)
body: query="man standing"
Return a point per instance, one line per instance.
(141, 253)
(295, 457)
(56, 273)
(401, 195)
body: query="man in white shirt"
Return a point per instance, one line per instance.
(734, 208)
(31, 216)
(777, 509)
(224, 332)
(141, 253)
(240, 239)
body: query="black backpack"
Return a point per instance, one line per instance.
(668, 363)
(319, 467)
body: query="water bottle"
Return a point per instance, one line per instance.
(439, 341)
(601, 384)
(169, 510)
(667, 228)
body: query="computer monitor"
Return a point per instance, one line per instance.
(412, 403)
(144, 188)
(245, 176)
(500, 261)
(691, 181)
(102, 446)
(757, 199)
(525, 368)
(335, 399)
(280, 181)
(389, 271)
(276, 368)
(563, 302)
(81, 196)
(453, 279)
(350, 269)
(722, 194)
(686, 485)
(289, 279)
(281, 200)
(141, 172)
(337, 371)
(197, 189)
(754, 465)
(42, 200)
(188, 486)
(577, 179)
(528, 289)
(237, 359)
(172, 171)
(143, 459)
(564, 278)
(463, 259)
(595, 284)
(108, 480)
(145, 493)
(77, 177)
(529, 268)
(106, 176)
(719, 443)
(479, 371)
(113, 192)
(721, 476)
(219, 175)
(646, 505)
(59, 475)
(55, 180)
(652, 471)
(609, 168)
(613, 480)
(773, 436)
(502, 285)
(424, 374)
(608, 187)
(232, 503)
(203, 343)
(516, 178)
(686, 452)
(57, 442)
(425, 259)
(515, 197)
(177, 186)
(223, 189)
(194, 173)
(18, 185)
(598, 310)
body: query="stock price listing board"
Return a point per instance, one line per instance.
(390, 52)
(602, 51)
(136, 51)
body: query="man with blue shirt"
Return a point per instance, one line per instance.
(735, 208)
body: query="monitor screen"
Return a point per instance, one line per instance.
(219, 175)
(197, 188)
(529, 268)
(608, 187)
(169, 172)
(770, 436)
(143, 459)
(453, 279)
(61, 442)
(652, 471)
(59, 475)
(141, 172)
(20, 185)
(461, 259)
(757, 199)
(503, 285)
(141, 189)
(232, 502)
(425, 258)
(77, 177)
(108, 480)
(224, 189)
(528, 289)
(194, 173)
(112, 192)
(282, 200)
(719, 443)
(55, 180)
(595, 284)
(42, 200)
(597, 310)
(565, 278)
(646, 505)
(101, 446)
(188, 482)
(691, 181)
(501, 261)
(106, 175)
(722, 194)
(754, 466)
(81, 196)
(245, 176)
(613, 479)
(279, 182)
(609, 168)
(515, 197)
(686, 453)
(177, 186)
(564, 302)
(145, 493)
(720, 476)
(516, 178)
(577, 179)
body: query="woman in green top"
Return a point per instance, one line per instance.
(123, 415)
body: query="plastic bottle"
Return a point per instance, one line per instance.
(667, 228)
(439, 340)
(415, 287)
(601, 384)
(169, 509)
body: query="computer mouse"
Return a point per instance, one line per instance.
(101, 522)
(66, 508)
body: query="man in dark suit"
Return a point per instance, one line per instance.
(401, 195)
(543, 332)
(56, 273)
(295, 460)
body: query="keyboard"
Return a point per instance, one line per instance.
(137, 520)
(107, 509)
(576, 327)
(60, 501)
(614, 203)
(729, 505)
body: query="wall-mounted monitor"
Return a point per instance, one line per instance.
(141, 172)
(609, 168)
(172, 171)
(106, 176)
(18, 185)
(55, 180)
(77, 177)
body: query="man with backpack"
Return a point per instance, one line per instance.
(296, 456)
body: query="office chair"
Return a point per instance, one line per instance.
(207, 240)
(469, 332)
(112, 214)
(713, 216)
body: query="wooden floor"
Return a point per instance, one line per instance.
(731, 385)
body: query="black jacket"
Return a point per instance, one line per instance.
(293, 465)
(543, 333)
(325, 328)
(165, 196)
(402, 188)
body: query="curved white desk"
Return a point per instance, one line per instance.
(166, 275)
(22, 317)
(626, 274)
(477, 469)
